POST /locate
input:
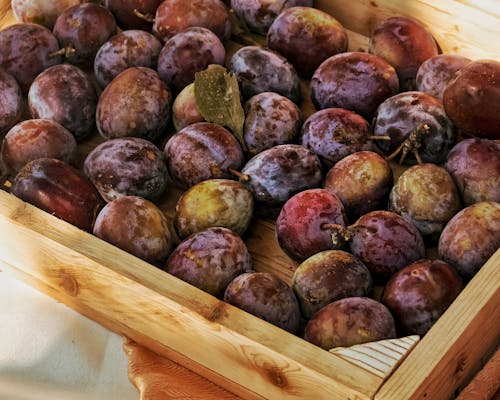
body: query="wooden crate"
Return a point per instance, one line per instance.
(244, 354)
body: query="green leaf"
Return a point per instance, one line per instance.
(217, 96)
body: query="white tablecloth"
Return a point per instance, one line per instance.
(48, 351)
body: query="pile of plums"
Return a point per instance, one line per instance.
(316, 144)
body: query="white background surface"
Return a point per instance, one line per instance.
(48, 351)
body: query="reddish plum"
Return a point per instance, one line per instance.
(133, 14)
(302, 224)
(11, 102)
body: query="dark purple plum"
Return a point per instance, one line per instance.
(202, 151)
(276, 174)
(426, 196)
(350, 321)
(36, 138)
(185, 111)
(306, 37)
(420, 293)
(133, 14)
(173, 16)
(132, 48)
(266, 296)
(262, 70)
(474, 165)
(214, 202)
(471, 99)
(11, 102)
(418, 126)
(210, 259)
(26, 50)
(471, 237)
(362, 181)
(355, 81)
(328, 276)
(65, 94)
(187, 52)
(135, 104)
(59, 189)
(127, 167)
(405, 44)
(270, 120)
(334, 133)
(385, 242)
(436, 72)
(43, 12)
(137, 226)
(302, 224)
(82, 29)
(259, 15)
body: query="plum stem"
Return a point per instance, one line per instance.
(379, 137)
(340, 234)
(146, 17)
(411, 144)
(242, 176)
(67, 51)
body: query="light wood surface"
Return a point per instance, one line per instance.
(231, 348)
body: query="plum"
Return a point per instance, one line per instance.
(65, 94)
(210, 259)
(187, 52)
(259, 15)
(131, 48)
(426, 196)
(135, 104)
(362, 181)
(353, 80)
(266, 296)
(405, 44)
(260, 70)
(350, 321)
(418, 127)
(26, 50)
(42, 12)
(474, 165)
(202, 151)
(185, 111)
(471, 237)
(173, 16)
(471, 99)
(127, 167)
(420, 293)
(384, 241)
(436, 72)
(276, 174)
(59, 189)
(328, 276)
(214, 202)
(302, 224)
(36, 138)
(270, 120)
(137, 226)
(306, 37)
(11, 102)
(334, 133)
(133, 14)
(82, 29)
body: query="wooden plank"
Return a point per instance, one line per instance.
(468, 28)
(448, 353)
(141, 301)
